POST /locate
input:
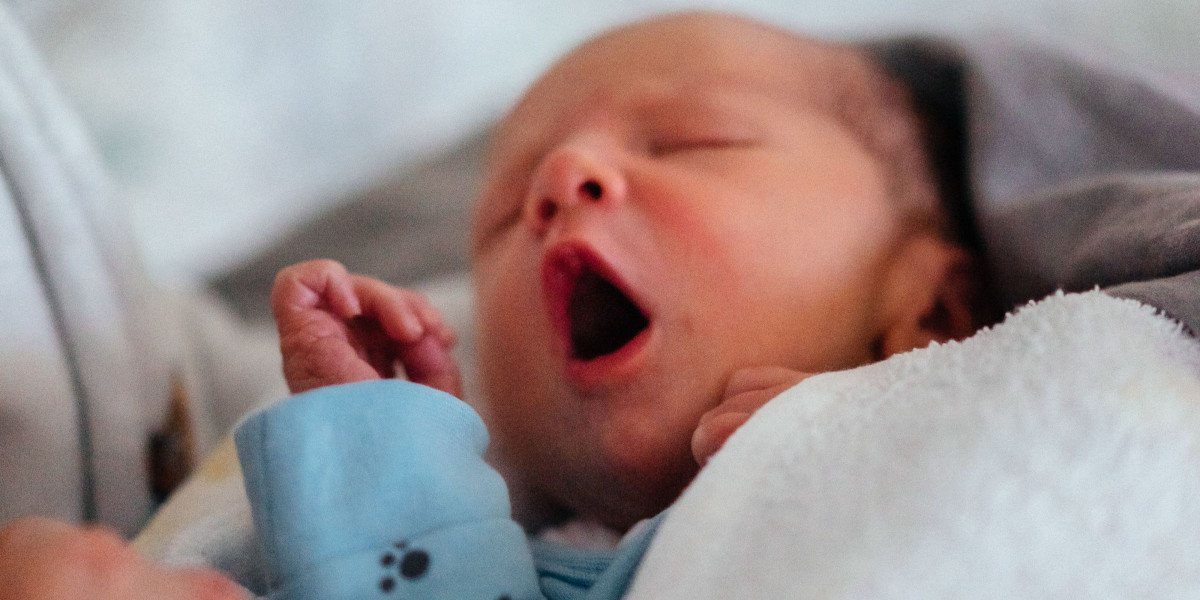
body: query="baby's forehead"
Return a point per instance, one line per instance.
(692, 60)
(687, 56)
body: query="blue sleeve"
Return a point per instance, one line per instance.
(379, 490)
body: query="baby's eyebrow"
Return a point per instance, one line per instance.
(673, 103)
(721, 104)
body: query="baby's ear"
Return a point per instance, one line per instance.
(929, 296)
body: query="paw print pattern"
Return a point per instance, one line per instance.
(410, 563)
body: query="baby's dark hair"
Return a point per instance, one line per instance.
(849, 84)
(879, 112)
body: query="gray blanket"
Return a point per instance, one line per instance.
(1068, 172)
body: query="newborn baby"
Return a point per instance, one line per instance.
(679, 220)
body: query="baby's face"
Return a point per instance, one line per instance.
(660, 210)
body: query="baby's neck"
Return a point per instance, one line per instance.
(583, 534)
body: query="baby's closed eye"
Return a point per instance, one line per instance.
(698, 124)
(669, 145)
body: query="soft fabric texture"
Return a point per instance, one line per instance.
(1068, 170)
(364, 489)
(109, 385)
(1052, 456)
(378, 489)
(568, 572)
(1136, 235)
(208, 522)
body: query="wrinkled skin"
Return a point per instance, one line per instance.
(337, 327)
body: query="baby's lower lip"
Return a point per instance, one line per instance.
(589, 360)
(612, 367)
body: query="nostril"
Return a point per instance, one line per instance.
(591, 188)
(546, 210)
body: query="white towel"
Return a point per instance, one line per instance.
(1055, 455)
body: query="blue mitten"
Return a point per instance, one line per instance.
(379, 489)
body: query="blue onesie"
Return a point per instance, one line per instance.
(379, 490)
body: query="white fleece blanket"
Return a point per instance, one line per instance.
(1054, 455)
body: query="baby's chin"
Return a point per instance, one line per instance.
(620, 500)
(615, 456)
(636, 473)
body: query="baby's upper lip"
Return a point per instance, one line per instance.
(562, 265)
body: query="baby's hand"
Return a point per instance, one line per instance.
(336, 327)
(747, 390)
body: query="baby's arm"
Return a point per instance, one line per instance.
(379, 489)
(336, 327)
(746, 392)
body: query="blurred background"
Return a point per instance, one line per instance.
(236, 129)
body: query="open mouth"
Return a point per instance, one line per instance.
(602, 318)
(591, 309)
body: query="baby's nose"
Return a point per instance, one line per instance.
(570, 178)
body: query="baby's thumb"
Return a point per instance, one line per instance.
(712, 434)
(429, 362)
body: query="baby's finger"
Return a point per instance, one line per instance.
(747, 391)
(314, 284)
(756, 378)
(430, 363)
(718, 424)
(316, 361)
(434, 322)
(744, 402)
(373, 345)
(752, 400)
(712, 435)
(393, 308)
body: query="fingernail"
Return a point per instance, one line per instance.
(354, 306)
(413, 325)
